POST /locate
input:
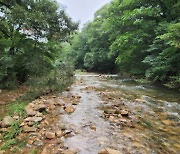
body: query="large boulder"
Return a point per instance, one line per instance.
(7, 121)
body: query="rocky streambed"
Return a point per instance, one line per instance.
(98, 116)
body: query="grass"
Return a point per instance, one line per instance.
(8, 144)
(34, 151)
(17, 108)
(14, 131)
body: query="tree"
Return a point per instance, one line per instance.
(30, 38)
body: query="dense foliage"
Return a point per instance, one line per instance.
(31, 33)
(139, 37)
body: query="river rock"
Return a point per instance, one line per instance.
(38, 114)
(93, 127)
(7, 121)
(50, 135)
(70, 109)
(30, 112)
(119, 116)
(112, 118)
(70, 151)
(27, 129)
(112, 151)
(52, 107)
(167, 122)
(30, 123)
(139, 100)
(103, 151)
(59, 133)
(38, 143)
(109, 111)
(41, 107)
(124, 113)
(33, 119)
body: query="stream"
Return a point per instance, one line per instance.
(110, 116)
(155, 110)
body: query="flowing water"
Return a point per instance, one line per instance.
(154, 112)
(157, 108)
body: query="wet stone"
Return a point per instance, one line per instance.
(93, 127)
(69, 109)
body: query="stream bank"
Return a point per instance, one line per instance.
(102, 115)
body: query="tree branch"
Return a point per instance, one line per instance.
(4, 4)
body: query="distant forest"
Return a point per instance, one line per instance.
(138, 37)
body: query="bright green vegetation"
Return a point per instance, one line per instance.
(135, 37)
(15, 130)
(32, 34)
(17, 107)
(31, 37)
(10, 137)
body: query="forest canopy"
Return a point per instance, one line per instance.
(31, 33)
(138, 37)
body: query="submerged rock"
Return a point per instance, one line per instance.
(69, 109)
(93, 127)
(7, 121)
